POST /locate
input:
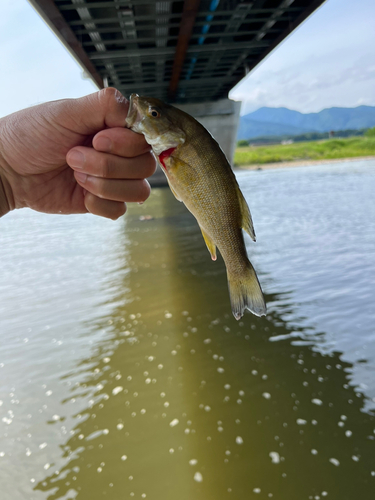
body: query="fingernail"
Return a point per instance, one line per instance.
(81, 177)
(103, 144)
(76, 159)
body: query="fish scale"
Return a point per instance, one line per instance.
(201, 177)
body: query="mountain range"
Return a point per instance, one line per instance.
(281, 121)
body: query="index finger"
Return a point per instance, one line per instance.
(121, 142)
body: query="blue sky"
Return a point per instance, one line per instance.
(328, 61)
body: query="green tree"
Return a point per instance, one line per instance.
(370, 132)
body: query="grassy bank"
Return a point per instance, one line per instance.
(317, 150)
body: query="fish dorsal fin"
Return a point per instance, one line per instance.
(247, 221)
(210, 245)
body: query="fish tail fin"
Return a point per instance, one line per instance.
(245, 293)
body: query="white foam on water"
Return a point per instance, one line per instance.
(275, 457)
(198, 477)
(117, 390)
(316, 401)
(334, 461)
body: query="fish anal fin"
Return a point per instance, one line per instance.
(247, 221)
(210, 245)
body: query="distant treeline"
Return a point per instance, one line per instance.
(309, 136)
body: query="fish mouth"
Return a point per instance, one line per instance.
(132, 111)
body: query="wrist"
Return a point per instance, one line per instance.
(4, 205)
(5, 189)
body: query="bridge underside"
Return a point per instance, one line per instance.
(177, 50)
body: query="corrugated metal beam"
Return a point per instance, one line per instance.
(199, 82)
(129, 3)
(231, 29)
(85, 15)
(177, 17)
(161, 36)
(291, 27)
(115, 3)
(162, 51)
(158, 39)
(189, 14)
(52, 16)
(150, 42)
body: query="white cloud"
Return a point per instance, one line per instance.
(327, 62)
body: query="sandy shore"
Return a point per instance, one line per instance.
(303, 163)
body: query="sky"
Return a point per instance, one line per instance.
(328, 61)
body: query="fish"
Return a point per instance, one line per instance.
(201, 177)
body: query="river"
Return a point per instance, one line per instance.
(124, 375)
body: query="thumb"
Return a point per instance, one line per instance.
(87, 115)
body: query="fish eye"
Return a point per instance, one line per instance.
(155, 113)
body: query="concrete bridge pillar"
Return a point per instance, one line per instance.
(220, 118)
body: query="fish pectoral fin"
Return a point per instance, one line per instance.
(180, 168)
(172, 165)
(210, 245)
(247, 221)
(173, 191)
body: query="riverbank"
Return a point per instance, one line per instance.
(331, 149)
(299, 163)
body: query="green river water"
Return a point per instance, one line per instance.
(124, 375)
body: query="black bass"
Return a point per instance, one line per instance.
(200, 176)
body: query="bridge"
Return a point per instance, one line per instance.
(190, 53)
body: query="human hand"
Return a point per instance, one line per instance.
(73, 156)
